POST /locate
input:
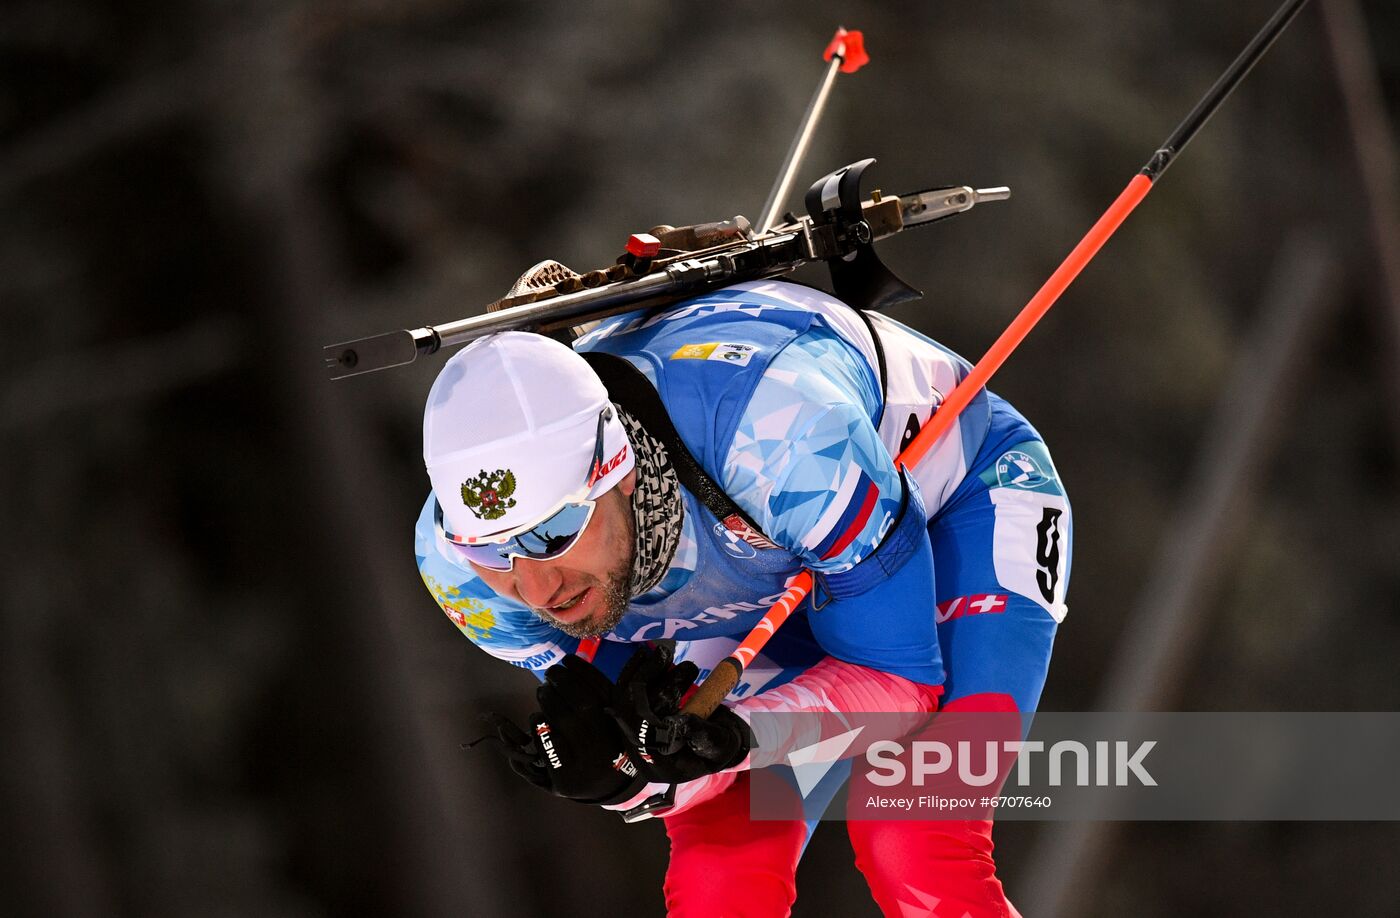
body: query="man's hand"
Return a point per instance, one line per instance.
(573, 747)
(669, 746)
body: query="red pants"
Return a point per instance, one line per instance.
(724, 864)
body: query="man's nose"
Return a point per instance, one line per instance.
(536, 582)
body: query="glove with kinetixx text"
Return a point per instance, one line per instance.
(573, 747)
(668, 746)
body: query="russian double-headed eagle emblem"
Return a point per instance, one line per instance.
(488, 495)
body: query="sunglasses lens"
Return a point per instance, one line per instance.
(556, 534)
(549, 539)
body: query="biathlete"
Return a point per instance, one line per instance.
(661, 481)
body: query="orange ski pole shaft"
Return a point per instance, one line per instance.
(725, 676)
(964, 392)
(936, 426)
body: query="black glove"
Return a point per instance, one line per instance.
(573, 748)
(668, 746)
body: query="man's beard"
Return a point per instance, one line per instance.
(615, 600)
(615, 590)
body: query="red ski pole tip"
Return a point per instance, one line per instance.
(851, 47)
(643, 245)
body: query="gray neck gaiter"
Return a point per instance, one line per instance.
(657, 508)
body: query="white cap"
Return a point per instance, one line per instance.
(510, 430)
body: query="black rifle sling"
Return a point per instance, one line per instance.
(630, 388)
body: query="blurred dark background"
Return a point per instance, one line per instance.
(225, 691)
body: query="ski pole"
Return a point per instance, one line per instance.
(846, 54)
(726, 674)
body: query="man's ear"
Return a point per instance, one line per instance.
(629, 483)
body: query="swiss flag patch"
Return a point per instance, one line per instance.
(976, 604)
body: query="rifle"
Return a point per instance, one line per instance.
(668, 264)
